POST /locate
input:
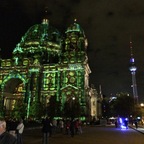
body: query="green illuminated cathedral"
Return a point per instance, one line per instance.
(46, 64)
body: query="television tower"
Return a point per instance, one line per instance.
(133, 69)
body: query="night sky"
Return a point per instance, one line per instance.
(108, 25)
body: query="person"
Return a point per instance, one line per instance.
(54, 124)
(11, 126)
(19, 129)
(61, 125)
(67, 127)
(46, 129)
(126, 123)
(72, 127)
(116, 123)
(79, 126)
(76, 126)
(136, 124)
(5, 137)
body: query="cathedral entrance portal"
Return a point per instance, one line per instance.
(13, 92)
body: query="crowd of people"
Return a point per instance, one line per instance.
(11, 131)
(68, 127)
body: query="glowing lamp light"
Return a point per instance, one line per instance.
(122, 124)
(138, 118)
(120, 120)
(126, 119)
(73, 98)
(142, 105)
(123, 127)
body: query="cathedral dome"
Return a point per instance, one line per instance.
(75, 39)
(75, 27)
(40, 38)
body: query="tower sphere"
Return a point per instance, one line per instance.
(133, 68)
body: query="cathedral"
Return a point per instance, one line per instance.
(47, 64)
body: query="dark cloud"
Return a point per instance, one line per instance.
(4, 4)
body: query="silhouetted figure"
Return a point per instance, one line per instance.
(11, 126)
(126, 124)
(116, 124)
(72, 128)
(136, 124)
(19, 130)
(46, 129)
(67, 127)
(5, 137)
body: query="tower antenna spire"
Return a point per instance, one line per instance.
(131, 49)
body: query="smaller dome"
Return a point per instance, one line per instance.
(75, 27)
(75, 38)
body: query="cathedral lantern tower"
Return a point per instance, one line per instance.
(133, 69)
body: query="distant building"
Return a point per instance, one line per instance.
(46, 64)
(93, 103)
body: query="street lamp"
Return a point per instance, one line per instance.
(73, 98)
(142, 104)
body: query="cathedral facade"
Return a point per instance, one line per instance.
(46, 64)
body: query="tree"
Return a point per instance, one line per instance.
(123, 105)
(72, 108)
(19, 110)
(137, 111)
(36, 110)
(105, 107)
(54, 108)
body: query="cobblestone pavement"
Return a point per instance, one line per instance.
(89, 136)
